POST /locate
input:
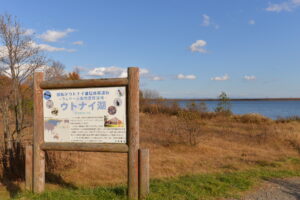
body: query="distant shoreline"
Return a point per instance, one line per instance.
(236, 99)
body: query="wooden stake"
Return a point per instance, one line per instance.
(144, 173)
(133, 131)
(28, 167)
(38, 136)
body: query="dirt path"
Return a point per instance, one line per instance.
(277, 189)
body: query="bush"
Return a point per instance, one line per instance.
(224, 105)
(251, 118)
(288, 119)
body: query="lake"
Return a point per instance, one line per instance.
(272, 109)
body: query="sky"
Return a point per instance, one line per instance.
(184, 48)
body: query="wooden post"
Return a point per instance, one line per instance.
(133, 132)
(28, 167)
(144, 173)
(38, 136)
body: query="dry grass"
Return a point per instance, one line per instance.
(224, 143)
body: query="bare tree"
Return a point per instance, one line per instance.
(55, 71)
(19, 57)
(150, 94)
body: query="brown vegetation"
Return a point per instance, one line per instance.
(223, 142)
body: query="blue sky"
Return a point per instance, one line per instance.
(186, 49)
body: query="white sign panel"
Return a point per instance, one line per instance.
(90, 115)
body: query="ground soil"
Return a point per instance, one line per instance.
(276, 189)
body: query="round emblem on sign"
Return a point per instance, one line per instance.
(47, 95)
(49, 104)
(112, 110)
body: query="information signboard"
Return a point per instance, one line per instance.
(89, 115)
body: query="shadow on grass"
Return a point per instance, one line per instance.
(119, 191)
(58, 180)
(13, 188)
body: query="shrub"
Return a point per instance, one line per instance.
(224, 105)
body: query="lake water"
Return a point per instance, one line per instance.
(272, 109)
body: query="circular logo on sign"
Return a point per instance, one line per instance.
(49, 104)
(112, 110)
(47, 95)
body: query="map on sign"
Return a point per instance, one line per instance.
(90, 115)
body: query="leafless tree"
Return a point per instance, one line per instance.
(19, 57)
(150, 94)
(55, 71)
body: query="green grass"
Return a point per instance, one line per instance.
(194, 187)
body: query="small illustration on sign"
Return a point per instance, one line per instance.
(114, 122)
(117, 102)
(112, 110)
(49, 104)
(47, 95)
(56, 127)
(120, 92)
(54, 111)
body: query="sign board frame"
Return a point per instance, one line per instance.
(131, 147)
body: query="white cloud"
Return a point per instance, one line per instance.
(206, 21)
(156, 78)
(29, 32)
(46, 47)
(23, 70)
(78, 43)
(249, 78)
(53, 35)
(284, 6)
(221, 78)
(3, 51)
(251, 22)
(182, 76)
(198, 46)
(113, 71)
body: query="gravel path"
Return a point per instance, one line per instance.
(277, 189)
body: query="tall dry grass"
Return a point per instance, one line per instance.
(221, 142)
(186, 142)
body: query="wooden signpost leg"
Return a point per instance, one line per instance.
(144, 186)
(133, 132)
(38, 137)
(28, 167)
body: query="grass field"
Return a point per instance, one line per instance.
(194, 187)
(228, 155)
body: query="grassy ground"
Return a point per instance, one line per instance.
(194, 187)
(225, 146)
